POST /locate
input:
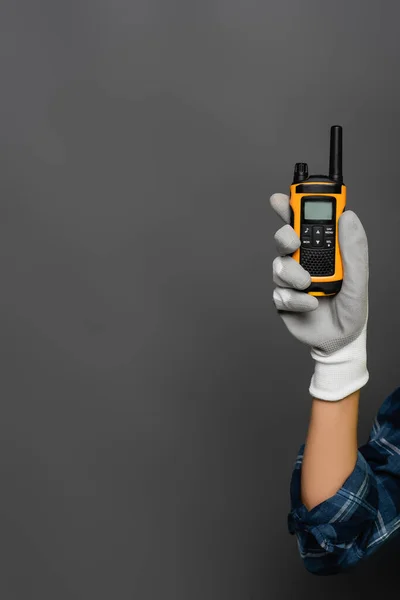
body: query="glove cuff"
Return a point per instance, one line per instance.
(341, 373)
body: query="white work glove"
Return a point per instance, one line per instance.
(333, 327)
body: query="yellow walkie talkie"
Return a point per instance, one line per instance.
(316, 202)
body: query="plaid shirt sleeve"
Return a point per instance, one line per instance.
(348, 527)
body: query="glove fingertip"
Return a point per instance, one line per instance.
(280, 204)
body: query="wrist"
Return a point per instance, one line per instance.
(341, 373)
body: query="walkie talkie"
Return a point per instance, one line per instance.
(316, 202)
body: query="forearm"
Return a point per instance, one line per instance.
(331, 448)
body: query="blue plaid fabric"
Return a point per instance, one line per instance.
(348, 527)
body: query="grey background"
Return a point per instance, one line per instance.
(152, 402)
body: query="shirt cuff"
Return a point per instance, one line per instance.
(340, 519)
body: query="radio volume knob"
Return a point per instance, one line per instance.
(300, 172)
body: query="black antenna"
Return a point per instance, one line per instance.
(335, 157)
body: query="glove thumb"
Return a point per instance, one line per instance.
(353, 297)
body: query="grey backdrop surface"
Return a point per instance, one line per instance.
(152, 403)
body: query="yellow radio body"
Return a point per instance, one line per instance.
(316, 203)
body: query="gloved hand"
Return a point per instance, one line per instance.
(333, 327)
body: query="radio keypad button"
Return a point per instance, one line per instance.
(317, 236)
